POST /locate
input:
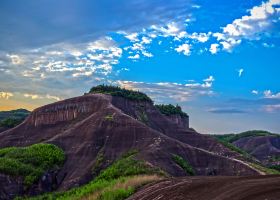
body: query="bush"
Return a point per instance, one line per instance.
(171, 110)
(183, 164)
(121, 92)
(30, 162)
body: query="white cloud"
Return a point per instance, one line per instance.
(176, 91)
(6, 95)
(201, 37)
(269, 94)
(147, 54)
(214, 48)
(185, 49)
(259, 20)
(15, 59)
(240, 72)
(209, 79)
(136, 56)
(255, 92)
(37, 96)
(133, 37)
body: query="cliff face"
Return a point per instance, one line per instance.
(180, 121)
(95, 124)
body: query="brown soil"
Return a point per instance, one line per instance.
(212, 188)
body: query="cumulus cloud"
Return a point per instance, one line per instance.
(6, 95)
(184, 48)
(259, 20)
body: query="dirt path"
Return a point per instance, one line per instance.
(213, 188)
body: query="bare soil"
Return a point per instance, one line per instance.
(213, 188)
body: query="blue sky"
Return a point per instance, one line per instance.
(218, 59)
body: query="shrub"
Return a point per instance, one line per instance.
(121, 92)
(30, 162)
(171, 110)
(183, 164)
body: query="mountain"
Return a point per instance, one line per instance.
(262, 145)
(96, 129)
(9, 119)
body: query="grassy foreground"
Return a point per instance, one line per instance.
(117, 182)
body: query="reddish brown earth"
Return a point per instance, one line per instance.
(95, 123)
(212, 188)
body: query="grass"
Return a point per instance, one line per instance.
(117, 182)
(171, 110)
(264, 169)
(183, 164)
(121, 92)
(30, 162)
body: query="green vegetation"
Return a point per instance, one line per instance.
(183, 164)
(234, 137)
(97, 163)
(117, 182)
(275, 167)
(121, 92)
(10, 119)
(274, 158)
(10, 122)
(264, 169)
(109, 117)
(171, 110)
(30, 162)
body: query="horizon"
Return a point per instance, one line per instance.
(217, 60)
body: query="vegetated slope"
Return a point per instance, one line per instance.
(214, 188)
(263, 145)
(10, 119)
(96, 129)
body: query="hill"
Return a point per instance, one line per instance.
(96, 129)
(10, 119)
(262, 145)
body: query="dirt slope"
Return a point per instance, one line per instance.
(212, 188)
(97, 124)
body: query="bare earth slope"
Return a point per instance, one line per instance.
(94, 124)
(214, 188)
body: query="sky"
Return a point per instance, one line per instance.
(218, 59)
